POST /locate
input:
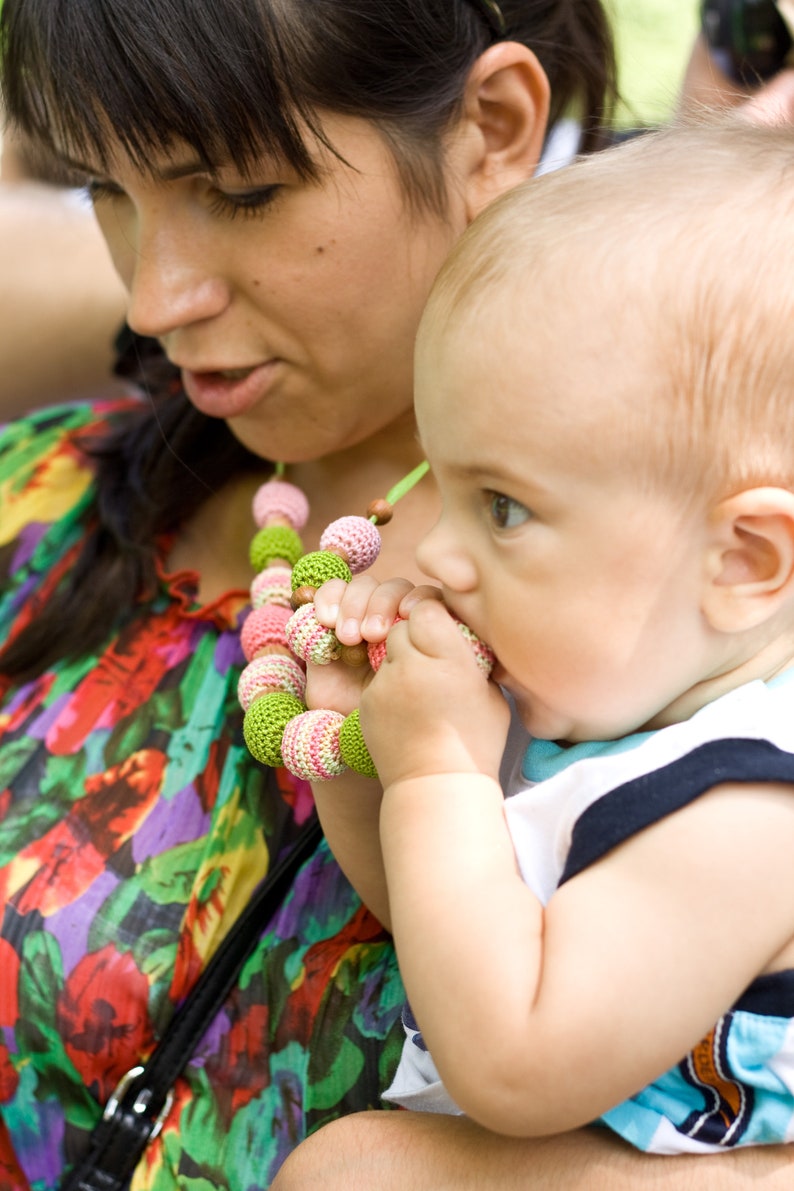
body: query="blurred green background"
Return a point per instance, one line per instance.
(653, 39)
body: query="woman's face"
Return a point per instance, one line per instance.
(289, 306)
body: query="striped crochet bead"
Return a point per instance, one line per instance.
(309, 640)
(314, 568)
(310, 745)
(357, 538)
(264, 724)
(277, 499)
(272, 586)
(264, 626)
(355, 753)
(483, 654)
(268, 674)
(272, 542)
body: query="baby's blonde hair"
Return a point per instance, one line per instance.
(682, 243)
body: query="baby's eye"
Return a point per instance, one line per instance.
(506, 513)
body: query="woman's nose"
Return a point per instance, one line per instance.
(171, 281)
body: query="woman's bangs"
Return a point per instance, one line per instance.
(91, 76)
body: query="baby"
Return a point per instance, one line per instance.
(605, 392)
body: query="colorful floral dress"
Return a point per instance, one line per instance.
(133, 828)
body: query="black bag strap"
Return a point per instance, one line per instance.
(135, 1112)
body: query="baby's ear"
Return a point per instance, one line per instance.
(750, 566)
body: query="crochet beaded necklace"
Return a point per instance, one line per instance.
(282, 633)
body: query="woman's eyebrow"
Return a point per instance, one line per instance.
(170, 173)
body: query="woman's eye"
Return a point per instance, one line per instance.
(506, 513)
(97, 190)
(245, 202)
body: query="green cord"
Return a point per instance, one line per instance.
(400, 489)
(404, 486)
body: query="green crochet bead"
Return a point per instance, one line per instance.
(264, 724)
(313, 569)
(355, 753)
(275, 541)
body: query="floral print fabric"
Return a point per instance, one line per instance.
(134, 827)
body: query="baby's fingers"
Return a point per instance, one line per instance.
(327, 600)
(415, 596)
(362, 610)
(384, 608)
(431, 630)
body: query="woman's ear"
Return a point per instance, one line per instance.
(506, 107)
(751, 559)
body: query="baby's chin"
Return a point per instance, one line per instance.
(543, 723)
(540, 720)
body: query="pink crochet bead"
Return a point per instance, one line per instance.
(357, 537)
(376, 650)
(278, 499)
(310, 745)
(272, 586)
(483, 654)
(272, 672)
(264, 626)
(309, 640)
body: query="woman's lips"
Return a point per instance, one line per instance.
(230, 393)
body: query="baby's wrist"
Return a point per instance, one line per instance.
(467, 783)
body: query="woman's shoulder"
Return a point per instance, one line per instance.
(46, 426)
(44, 468)
(28, 442)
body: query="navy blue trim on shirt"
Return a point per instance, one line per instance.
(770, 995)
(630, 808)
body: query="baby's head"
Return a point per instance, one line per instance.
(657, 280)
(606, 364)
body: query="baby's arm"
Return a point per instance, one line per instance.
(541, 1019)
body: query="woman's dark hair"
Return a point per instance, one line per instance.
(234, 79)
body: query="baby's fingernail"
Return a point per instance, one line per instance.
(374, 624)
(349, 628)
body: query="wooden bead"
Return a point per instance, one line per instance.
(355, 655)
(301, 596)
(381, 510)
(340, 552)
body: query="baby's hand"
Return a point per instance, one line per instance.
(364, 610)
(430, 709)
(359, 612)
